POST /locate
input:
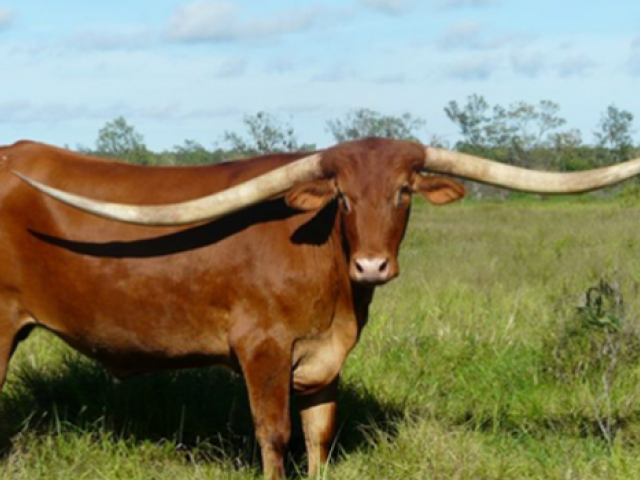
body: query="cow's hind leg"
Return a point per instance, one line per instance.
(266, 364)
(318, 413)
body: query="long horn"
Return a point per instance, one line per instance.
(268, 185)
(521, 179)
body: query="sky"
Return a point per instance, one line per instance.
(181, 70)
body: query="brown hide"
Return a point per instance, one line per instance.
(272, 291)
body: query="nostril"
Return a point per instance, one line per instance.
(359, 267)
(383, 266)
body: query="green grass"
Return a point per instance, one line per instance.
(483, 361)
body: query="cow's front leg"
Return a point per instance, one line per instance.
(318, 412)
(266, 364)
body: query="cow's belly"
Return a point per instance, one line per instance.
(139, 344)
(124, 359)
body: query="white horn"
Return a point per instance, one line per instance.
(522, 179)
(256, 190)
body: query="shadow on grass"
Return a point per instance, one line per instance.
(203, 412)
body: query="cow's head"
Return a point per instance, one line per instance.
(374, 181)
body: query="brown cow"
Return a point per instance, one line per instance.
(272, 275)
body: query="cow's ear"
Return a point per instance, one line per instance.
(312, 195)
(439, 190)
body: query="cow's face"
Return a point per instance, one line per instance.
(374, 182)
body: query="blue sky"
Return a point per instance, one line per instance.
(191, 69)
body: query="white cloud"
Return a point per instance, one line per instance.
(463, 35)
(528, 64)
(157, 111)
(31, 50)
(289, 63)
(575, 66)
(633, 64)
(209, 113)
(203, 20)
(391, 78)
(111, 39)
(566, 44)
(338, 72)
(390, 7)
(281, 65)
(301, 108)
(220, 21)
(6, 18)
(231, 68)
(457, 4)
(472, 36)
(23, 112)
(473, 68)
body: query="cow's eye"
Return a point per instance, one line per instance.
(345, 202)
(404, 195)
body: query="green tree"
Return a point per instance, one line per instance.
(193, 153)
(616, 133)
(520, 126)
(472, 119)
(566, 151)
(363, 123)
(265, 133)
(523, 133)
(118, 139)
(524, 126)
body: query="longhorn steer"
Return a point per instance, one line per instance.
(271, 273)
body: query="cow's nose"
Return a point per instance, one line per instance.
(372, 266)
(371, 269)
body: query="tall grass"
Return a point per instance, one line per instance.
(508, 348)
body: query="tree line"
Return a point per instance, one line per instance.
(522, 134)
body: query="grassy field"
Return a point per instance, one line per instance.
(508, 348)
